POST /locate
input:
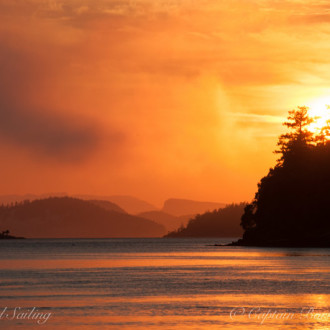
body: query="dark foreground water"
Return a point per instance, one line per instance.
(161, 284)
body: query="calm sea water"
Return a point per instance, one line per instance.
(161, 284)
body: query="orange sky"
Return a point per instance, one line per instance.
(156, 99)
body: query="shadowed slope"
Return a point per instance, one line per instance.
(223, 222)
(180, 207)
(69, 217)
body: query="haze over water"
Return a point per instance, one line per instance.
(162, 284)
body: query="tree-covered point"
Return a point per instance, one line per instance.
(291, 206)
(222, 222)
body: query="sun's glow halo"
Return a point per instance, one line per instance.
(319, 110)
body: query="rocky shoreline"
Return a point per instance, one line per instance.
(310, 242)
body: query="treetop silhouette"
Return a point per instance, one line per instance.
(290, 207)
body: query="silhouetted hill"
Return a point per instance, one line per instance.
(224, 222)
(130, 204)
(180, 207)
(170, 222)
(8, 199)
(70, 217)
(109, 206)
(185, 218)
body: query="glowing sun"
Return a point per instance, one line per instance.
(319, 110)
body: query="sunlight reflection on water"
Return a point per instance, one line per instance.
(163, 284)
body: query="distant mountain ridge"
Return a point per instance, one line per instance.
(179, 207)
(66, 217)
(109, 206)
(130, 204)
(174, 213)
(13, 198)
(170, 222)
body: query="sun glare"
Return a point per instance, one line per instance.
(319, 109)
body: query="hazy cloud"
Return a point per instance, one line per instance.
(46, 131)
(314, 18)
(189, 85)
(63, 138)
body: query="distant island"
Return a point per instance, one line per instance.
(222, 222)
(66, 217)
(6, 235)
(63, 216)
(291, 206)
